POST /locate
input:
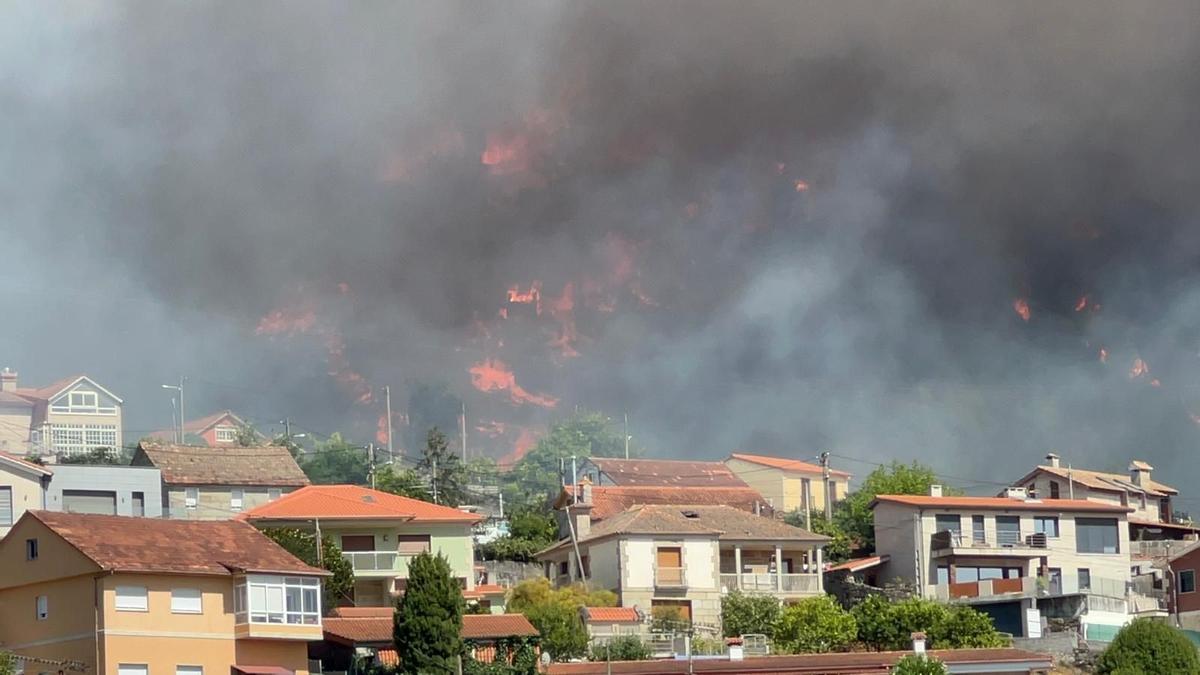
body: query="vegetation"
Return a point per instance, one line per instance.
(428, 621)
(886, 625)
(529, 531)
(336, 462)
(668, 620)
(445, 469)
(405, 482)
(1149, 647)
(555, 613)
(582, 435)
(303, 545)
(8, 663)
(743, 614)
(702, 646)
(115, 456)
(621, 648)
(816, 624)
(853, 515)
(914, 664)
(514, 656)
(839, 548)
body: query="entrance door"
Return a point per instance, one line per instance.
(358, 542)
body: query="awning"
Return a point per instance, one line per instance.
(263, 670)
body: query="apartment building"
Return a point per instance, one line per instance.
(686, 557)
(201, 483)
(1014, 557)
(379, 533)
(124, 596)
(69, 417)
(787, 483)
(22, 488)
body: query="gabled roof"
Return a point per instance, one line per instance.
(607, 615)
(52, 390)
(200, 425)
(609, 500)
(24, 465)
(375, 627)
(354, 502)
(1001, 503)
(1101, 480)
(10, 399)
(267, 465)
(153, 545)
(786, 464)
(633, 472)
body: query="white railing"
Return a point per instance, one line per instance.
(771, 583)
(373, 561)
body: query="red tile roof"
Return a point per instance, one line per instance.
(207, 547)
(666, 472)
(859, 564)
(360, 612)
(200, 425)
(44, 393)
(608, 615)
(266, 466)
(482, 590)
(852, 663)
(378, 629)
(352, 501)
(1004, 503)
(486, 626)
(786, 464)
(609, 500)
(387, 657)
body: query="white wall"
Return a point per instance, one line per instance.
(639, 563)
(701, 561)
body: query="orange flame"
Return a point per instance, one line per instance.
(531, 297)
(1082, 303)
(290, 322)
(1021, 307)
(562, 309)
(526, 439)
(1139, 369)
(494, 375)
(506, 154)
(801, 186)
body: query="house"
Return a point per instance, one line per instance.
(207, 483)
(69, 417)
(108, 489)
(1149, 500)
(359, 630)
(22, 488)
(219, 429)
(1011, 555)
(605, 471)
(606, 501)
(685, 557)
(1183, 600)
(135, 596)
(785, 483)
(379, 533)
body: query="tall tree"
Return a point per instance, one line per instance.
(536, 478)
(854, 515)
(405, 482)
(336, 462)
(446, 472)
(303, 545)
(427, 627)
(248, 436)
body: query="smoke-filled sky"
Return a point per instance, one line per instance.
(786, 227)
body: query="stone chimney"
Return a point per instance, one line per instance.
(918, 642)
(1139, 473)
(935, 490)
(8, 380)
(1052, 460)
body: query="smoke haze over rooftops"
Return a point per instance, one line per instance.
(914, 230)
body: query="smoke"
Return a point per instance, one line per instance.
(787, 227)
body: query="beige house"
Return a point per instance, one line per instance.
(68, 417)
(201, 483)
(785, 483)
(22, 488)
(1149, 500)
(685, 558)
(134, 596)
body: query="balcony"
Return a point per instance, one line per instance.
(789, 584)
(988, 589)
(1002, 543)
(378, 563)
(670, 577)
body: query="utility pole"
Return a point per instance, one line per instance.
(626, 435)
(371, 460)
(287, 429)
(806, 495)
(433, 480)
(179, 389)
(387, 398)
(825, 487)
(574, 482)
(463, 432)
(501, 506)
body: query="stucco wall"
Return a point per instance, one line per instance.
(784, 490)
(895, 536)
(604, 566)
(123, 480)
(451, 540)
(14, 429)
(1041, 482)
(26, 492)
(214, 501)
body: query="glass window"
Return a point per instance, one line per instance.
(226, 434)
(235, 499)
(138, 507)
(1053, 489)
(6, 508)
(1187, 581)
(31, 549)
(978, 533)
(1096, 535)
(189, 670)
(132, 599)
(43, 607)
(966, 574)
(1047, 525)
(943, 575)
(273, 494)
(948, 522)
(1085, 578)
(186, 601)
(1008, 530)
(133, 669)
(990, 573)
(268, 599)
(191, 496)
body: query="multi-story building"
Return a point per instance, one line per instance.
(605, 501)
(107, 489)
(22, 488)
(220, 429)
(378, 532)
(69, 417)
(215, 483)
(123, 596)
(1149, 501)
(1012, 556)
(684, 558)
(1183, 596)
(786, 483)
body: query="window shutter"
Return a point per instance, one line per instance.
(412, 544)
(6, 514)
(186, 601)
(132, 598)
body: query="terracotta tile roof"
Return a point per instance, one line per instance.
(667, 472)
(1004, 503)
(859, 564)
(26, 464)
(360, 612)
(352, 501)
(851, 663)
(13, 399)
(387, 657)
(1101, 480)
(44, 393)
(609, 500)
(607, 615)
(208, 547)
(485, 626)
(786, 464)
(378, 629)
(482, 590)
(199, 426)
(268, 465)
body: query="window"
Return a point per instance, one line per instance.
(132, 599)
(978, 534)
(273, 494)
(1187, 581)
(948, 522)
(226, 435)
(138, 505)
(191, 497)
(1054, 489)
(833, 495)
(80, 400)
(6, 510)
(1085, 578)
(1142, 500)
(1008, 530)
(564, 568)
(1047, 525)
(943, 575)
(1096, 535)
(412, 544)
(133, 669)
(74, 439)
(235, 499)
(189, 670)
(43, 607)
(186, 601)
(273, 599)
(31, 549)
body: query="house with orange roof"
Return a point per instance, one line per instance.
(69, 417)
(219, 429)
(378, 532)
(116, 595)
(787, 483)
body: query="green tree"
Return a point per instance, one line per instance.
(483, 472)
(336, 462)
(535, 478)
(303, 545)
(112, 456)
(1149, 647)
(915, 664)
(405, 482)
(8, 663)
(876, 627)
(668, 620)
(248, 437)
(839, 547)
(743, 614)
(816, 624)
(529, 531)
(445, 469)
(854, 516)
(428, 621)
(621, 648)
(537, 591)
(885, 625)
(963, 627)
(563, 634)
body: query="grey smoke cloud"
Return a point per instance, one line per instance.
(177, 170)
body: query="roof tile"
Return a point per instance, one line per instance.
(352, 501)
(667, 472)
(612, 615)
(268, 465)
(376, 629)
(1003, 503)
(609, 500)
(786, 464)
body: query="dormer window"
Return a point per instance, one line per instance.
(81, 402)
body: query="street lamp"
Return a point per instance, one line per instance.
(178, 388)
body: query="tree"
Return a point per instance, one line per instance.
(336, 462)
(1149, 647)
(427, 627)
(668, 620)
(536, 476)
(445, 469)
(529, 531)
(98, 456)
(876, 627)
(8, 663)
(622, 648)
(743, 614)
(838, 549)
(248, 437)
(816, 624)
(555, 613)
(919, 664)
(303, 545)
(886, 625)
(963, 627)
(406, 483)
(483, 471)
(538, 590)
(854, 515)
(513, 656)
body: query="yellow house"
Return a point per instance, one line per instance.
(785, 482)
(120, 595)
(22, 487)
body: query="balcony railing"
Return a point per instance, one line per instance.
(771, 583)
(669, 577)
(376, 561)
(947, 539)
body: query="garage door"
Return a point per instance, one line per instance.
(90, 501)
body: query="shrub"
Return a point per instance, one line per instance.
(563, 633)
(964, 627)
(919, 665)
(1149, 647)
(621, 648)
(876, 627)
(814, 625)
(707, 646)
(884, 625)
(668, 619)
(743, 614)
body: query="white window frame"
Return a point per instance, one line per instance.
(42, 607)
(184, 602)
(129, 599)
(261, 598)
(273, 494)
(189, 670)
(226, 435)
(191, 497)
(237, 499)
(133, 669)
(88, 404)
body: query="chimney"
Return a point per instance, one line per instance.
(736, 650)
(935, 490)
(1052, 460)
(1139, 472)
(585, 489)
(918, 642)
(8, 380)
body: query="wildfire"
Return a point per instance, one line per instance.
(562, 309)
(1081, 304)
(506, 153)
(494, 375)
(526, 439)
(531, 297)
(801, 186)
(1138, 369)
(290, 322)
(1103, 355)
(1021, 307)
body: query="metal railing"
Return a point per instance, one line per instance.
(1004, 539)
(376, 561)
(771, 583)
(669, 577)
